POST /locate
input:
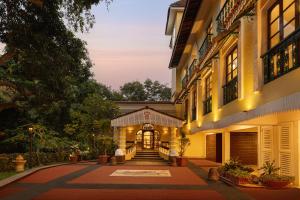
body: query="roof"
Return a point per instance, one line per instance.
(190, 12)
(180, 3)
(147, 115)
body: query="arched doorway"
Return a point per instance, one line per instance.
(148, 138)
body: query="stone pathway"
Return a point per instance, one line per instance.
(91, 181)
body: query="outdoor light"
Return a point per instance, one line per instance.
(30, 130)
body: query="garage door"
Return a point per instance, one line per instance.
(244, 146)
(214, 147)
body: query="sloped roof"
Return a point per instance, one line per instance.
(146, 115)
(179, 3)
(190, 12)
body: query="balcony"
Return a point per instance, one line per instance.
(231, 11)
(192, 68)
(205, 47)
(282, 58)
(207, 106)
(230, 91)
(184, 82)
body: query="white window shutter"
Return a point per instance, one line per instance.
(285, 149)
(267, 143)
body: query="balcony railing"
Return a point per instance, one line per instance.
(230, 11)
(207, 106)
(282, 58)
(205, 47)
(230, 91)
(192, 68)
(184, 81)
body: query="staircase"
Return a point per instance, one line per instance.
(150, 157)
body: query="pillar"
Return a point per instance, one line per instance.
(116, 135)
(122, 140)
(225, 146)
(173, 139)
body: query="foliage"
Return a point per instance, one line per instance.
(234, 165)
(41, 158)
(269, 168)
(239, 173)
(276, 177)
(147, 91)
(133, 91)
(184, 143)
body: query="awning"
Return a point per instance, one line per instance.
(147, 115)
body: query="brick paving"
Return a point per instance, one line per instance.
(92, 181)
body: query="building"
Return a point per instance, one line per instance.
(235, 81)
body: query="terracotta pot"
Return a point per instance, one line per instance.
(73, 159)
(182, 162)
(276, 184)
(103, 159)
(120, 159)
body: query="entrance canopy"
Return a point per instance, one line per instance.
(147, 115)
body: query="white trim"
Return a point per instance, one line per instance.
(288, 103)
(146, 116)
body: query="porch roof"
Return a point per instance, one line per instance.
(147, 115)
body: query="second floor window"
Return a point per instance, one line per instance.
(194, 107)
(283, 39)
(231, 83)
(281, 21)
(186, 109)
(207, 103)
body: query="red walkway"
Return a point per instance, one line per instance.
(91, 181)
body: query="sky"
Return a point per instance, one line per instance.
(128, 43)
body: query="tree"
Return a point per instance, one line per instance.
(148, 91)
(133, 91)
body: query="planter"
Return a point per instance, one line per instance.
(182, 162)
(103, 159)
(73, 159)
(276, 184)
(120, 159)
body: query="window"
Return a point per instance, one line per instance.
(282, 21)
(231, 65)
(231, 85)
(283, 39)
(194, 108)
(186, 109)
(207, 103)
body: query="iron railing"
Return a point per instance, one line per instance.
(230, 91)
(207, 105)
(205, 47)
(282, 58)
(231, 10)
(192, 68)
(184, 81)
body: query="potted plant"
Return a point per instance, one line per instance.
(184, 143)
(103, 157)
(235, 173)
(271, 179)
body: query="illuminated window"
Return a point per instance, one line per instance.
(282, 19)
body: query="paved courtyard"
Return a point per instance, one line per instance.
(92, 181)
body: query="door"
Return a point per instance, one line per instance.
(148, 140)
(244, 147)
(214, 147)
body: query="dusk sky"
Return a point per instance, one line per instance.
(127, 42)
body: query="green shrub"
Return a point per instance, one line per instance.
(42, 158)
